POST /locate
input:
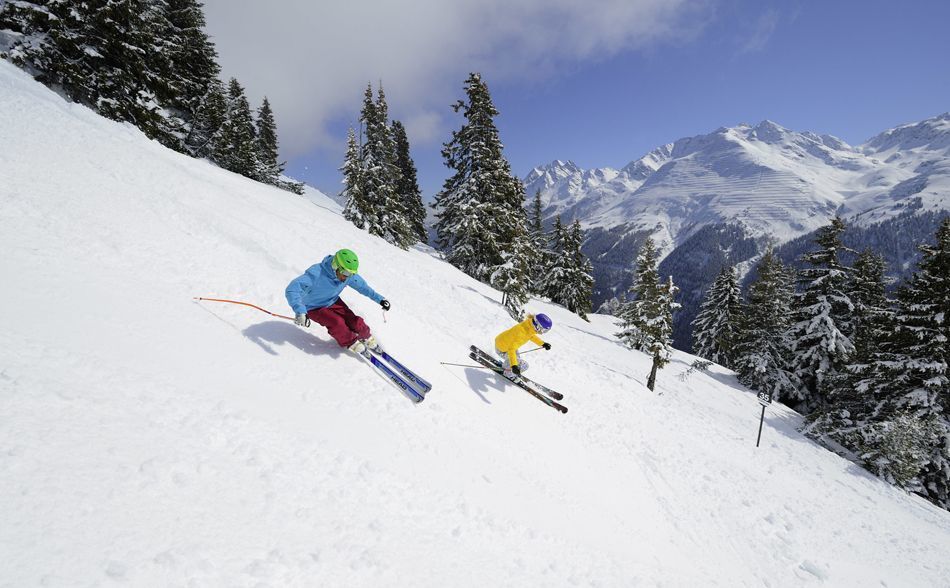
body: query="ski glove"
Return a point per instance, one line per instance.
(516, 369)
(546, 346)
(302, 320)
(385, 304)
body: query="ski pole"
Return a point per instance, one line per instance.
(290, 318)
(483, 367)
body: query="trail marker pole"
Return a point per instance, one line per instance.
(765, 399)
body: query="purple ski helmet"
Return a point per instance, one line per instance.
(542, 323)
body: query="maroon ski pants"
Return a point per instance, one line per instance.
(343, 325)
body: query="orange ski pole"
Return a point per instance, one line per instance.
(290, 318)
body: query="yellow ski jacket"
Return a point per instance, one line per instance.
(509, 341)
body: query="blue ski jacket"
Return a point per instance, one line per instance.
(319, 287)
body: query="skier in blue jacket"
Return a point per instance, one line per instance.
(316, 295)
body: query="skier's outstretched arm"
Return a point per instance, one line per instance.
(359, 284)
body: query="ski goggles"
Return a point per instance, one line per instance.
(342, 271)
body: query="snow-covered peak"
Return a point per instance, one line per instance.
(775, 181)
(932, 134)
(769, 132)
(641, 169)
(554, 171)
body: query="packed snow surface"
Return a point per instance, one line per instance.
(147, 439)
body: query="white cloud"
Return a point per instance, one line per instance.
(761, 32)
(313, 58)
(424, 127)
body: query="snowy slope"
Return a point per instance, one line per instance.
(150, 440)
(772, 181)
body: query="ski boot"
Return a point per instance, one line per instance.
(372, 344)
(359, 348)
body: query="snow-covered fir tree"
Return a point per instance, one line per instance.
(850, 421)
(553, 262)
(25, 30)
(236, 148)
(408, 186)
(193, 59)
(641, 305)
(375, 204)
(900, 449)
(715, 328)
(823, 320)
(763, 348)
(385, 176)
(189, 68)
(544, 257)
(646, 319)
(576, 275)
(204, 137)
(364, 208)
(266, 144)
(480, 207)
(513, 276)
(922, 385)
(660, 329)
(357, 210)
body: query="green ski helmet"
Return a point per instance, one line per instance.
(345, 262)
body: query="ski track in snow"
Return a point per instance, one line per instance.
(151, 440)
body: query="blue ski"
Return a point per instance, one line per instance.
(393, 377)
(420, 384)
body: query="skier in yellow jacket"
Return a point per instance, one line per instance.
(508, 342)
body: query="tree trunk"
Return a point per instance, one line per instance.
(651, 381)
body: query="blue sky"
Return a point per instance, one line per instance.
(599, 82)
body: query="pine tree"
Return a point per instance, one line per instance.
(922, 385)
(554, 262)
(266, 145)
(204, 138)
(358, 209)
(646, 320)
(512, 276)
(192, 58)
(378, 179)
(715, 328)
(822, 321)
(236, 149)
(381, 146)
(575, 290)
(763, 348)
(379, 208)
(544, 258)
(408, 186)
(661, 329)
(121, 68)
(26, 26)
(853, 416)
(481, 205)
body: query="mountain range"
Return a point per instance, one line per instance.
(724, 196)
